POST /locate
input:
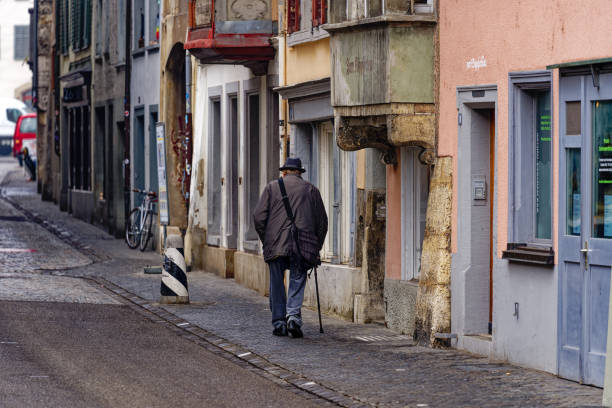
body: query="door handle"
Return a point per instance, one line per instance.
(585, 250)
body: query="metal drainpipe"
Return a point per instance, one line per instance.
(187, 143)
(187, 82)
(127, 113)
(35, 62)
(285, 112)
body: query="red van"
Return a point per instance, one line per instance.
(25, 133)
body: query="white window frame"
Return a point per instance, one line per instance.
(214, 150)
(326, 185)
(413, 211)
(336, 180)
(347, 206)
(424, 8)
(251, 88)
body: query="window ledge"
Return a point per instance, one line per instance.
(529, 254)
(138, 52)
(385, 19)
(119, 66)
(152, 48)
(306, 36)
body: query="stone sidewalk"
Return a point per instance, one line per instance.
(366, 365)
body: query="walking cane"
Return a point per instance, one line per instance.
(318, 303)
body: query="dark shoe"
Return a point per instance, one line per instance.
(294, 330)
(280, 331)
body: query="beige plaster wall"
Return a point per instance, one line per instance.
(501, 37)
(308, 62)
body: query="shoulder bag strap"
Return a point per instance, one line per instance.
(281, 184)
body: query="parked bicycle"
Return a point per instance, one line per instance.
(138, 229)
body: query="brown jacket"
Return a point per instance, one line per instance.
(273, 225)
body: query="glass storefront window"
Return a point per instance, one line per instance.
(543, 184)
(602, 169)
(573, 192)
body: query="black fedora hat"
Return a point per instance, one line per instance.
(293, 163)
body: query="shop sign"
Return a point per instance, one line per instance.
(160, 132)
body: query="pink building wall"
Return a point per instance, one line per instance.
(482, 41)
(393, 247)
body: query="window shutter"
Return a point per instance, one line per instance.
(319, 12)
(64, 29)
(22, 41)
(293, 18)
(60, 25)
(74, 24)
(86, 23)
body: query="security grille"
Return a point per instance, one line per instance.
(22, 42)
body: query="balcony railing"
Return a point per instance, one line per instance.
(350, 10)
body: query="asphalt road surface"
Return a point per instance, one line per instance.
(59, 354)
(66, 342)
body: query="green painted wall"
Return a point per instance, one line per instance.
(411, 59)
(383, 64)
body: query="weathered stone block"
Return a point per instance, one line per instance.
(338, 285)
(198, 242)
(412, 129)
(219, 261)
(400, 305)
(433, 302)
(248, 9)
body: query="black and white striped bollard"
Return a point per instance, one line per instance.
(174, 278)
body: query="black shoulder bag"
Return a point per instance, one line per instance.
(295, 233)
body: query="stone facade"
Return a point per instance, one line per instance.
(172, 102)
(108, 117)
(433, 302)
(45, 102)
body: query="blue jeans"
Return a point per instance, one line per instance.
(283, 309)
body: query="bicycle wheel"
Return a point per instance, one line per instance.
(132, 229)
(145, 234)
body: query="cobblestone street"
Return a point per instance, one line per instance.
(43, 250)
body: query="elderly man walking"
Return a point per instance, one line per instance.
(288, 244)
